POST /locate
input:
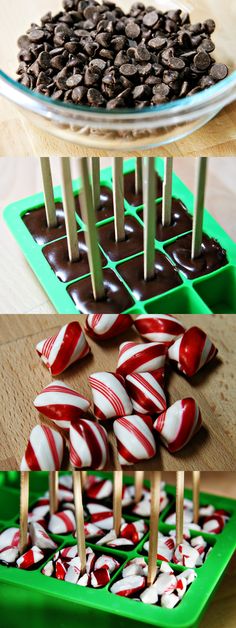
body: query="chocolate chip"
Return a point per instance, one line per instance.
(142, 53)
(157, 43)
(162, 90)
(129, 70)
(202, 61)
(44, 60)
(132, 30)
(141, 92)
(79, 94)
(175, 63)
(95, 98)
(98, 64)
(74, 80)
(36, 35)
(91, 76)
(218, 71)
(150, 19)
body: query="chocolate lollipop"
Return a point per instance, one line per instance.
(69, 210)
(154, 521)
(118, 198)
(149, 217)
(117, 500)
(167, 192)
(95, 172)
(50, 209)
(198, 207)
(179, 507)
(53, 491)
(196, 489)
(24, 506)
(79, 518)
(138, 176)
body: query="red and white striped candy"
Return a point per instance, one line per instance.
(185, 555)
(73, 571)
(107, 562)
(165, 548)
(105, 326)
(69, 552)
(178, 424)
(133, 531)
(159, 327)
(61, 404)
(141, 358)
(10, 537)
(60, 570)
(44, 451)
(66, 347)
(109, 395)
(213, 524)
(181, 586)
(99, 489)
(9, 554)
(149, 595)
(165, 583)
(135, 440)
(30, 558)
(91, 530)
(118, 543)
(129, 586)
(48, 569)
(62, 522)
(100, 577)
(192, 350)
(40, 538)
(146, 394)
(101, 516)
(135, 567)
(88, 445)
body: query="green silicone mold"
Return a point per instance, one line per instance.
(64, 604)
(215, 292)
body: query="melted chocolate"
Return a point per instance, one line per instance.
(36, 223)
(181, 221)
(57, 256)
(129, 189)
(105, 209)
(212, 256)
(165, 278)
(117, 298)
(132, 244)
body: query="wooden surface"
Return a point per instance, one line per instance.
(23, 376)
(21, 177)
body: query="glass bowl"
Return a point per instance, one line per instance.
(127, 129)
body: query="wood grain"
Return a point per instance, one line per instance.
(22, 377)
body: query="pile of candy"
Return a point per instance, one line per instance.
(192, 552)
(211, 520)
(66, 565)
(167, 590)
(39, 546)
(133, 397)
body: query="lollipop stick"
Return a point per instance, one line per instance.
(138, 483)
(149, 217)
(53, 491)
(179, 506)
(154, 522)
(69, 210)
(88, 214)
(79, 518)
(95, 163)
(50, 209)
(24, 504)
(167, 192)
(117, 499)
(196, 489)
(199, 206)
(84, 477)
(118, 198)
(138, 175)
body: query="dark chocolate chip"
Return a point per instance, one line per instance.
(202, 61)
(218, 71)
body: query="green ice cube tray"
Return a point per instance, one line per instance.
(215, 292)
(50, 602)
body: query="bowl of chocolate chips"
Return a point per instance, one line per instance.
(120, 75)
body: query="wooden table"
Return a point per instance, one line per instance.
(22, 377)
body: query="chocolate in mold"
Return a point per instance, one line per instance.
(181, 221)
(36, 222)
(57, 256)
(132, 244)
(165, 278)
(129, 189)
(212, 256)
(117, 298)
(105, 209)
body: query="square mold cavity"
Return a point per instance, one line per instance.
(182, 299)
(219, 291)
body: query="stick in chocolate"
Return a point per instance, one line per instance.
(167, 192)
(24, 505)
(53, 491)
(138, 484)
(88, 215)
(118, 198)
(149, 217)
(138, 175)
(196, 489)
(179, 507)
(154, 522)
(50, 208)
(69, 210)
(199, 206)
(117, 500)
(79, 518)
(95, 172)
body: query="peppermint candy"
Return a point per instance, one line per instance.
(40, 538)
(99, 578)
(129, 586)
(61, 404)
(62, 522)
(101, 516)
(106, 562)
(165, 548)
(163, 328)
(30, 558)
(133, 531)
(135, 440)
(146, 394)
(44, 451)
(106, 326)
(213, 524)
(98, 488)
(88, 445)
(109, 395)
(10, 537)
(185, 555)
(141, 358)
(178, 424)
(192, 351)
(91, 530)
(9, 554)
(66, 347)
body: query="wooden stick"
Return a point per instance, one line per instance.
(196, 490)
(24, 506)
(53, 491)
(117, 499)
(138, 175)
(199, 206)
(88, 215)
(84, 477)
(50, 208)
(138, 483)
(79, 517)
(69, 210)
(154, 522)
(149, 217)
(118, 198)
(167, 192)
(179, 506)
(95, 171)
